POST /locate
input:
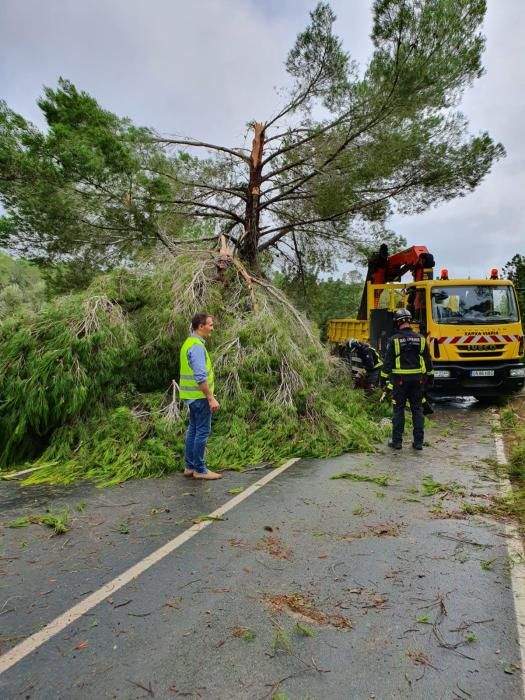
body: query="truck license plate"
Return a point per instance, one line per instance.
(481, 372)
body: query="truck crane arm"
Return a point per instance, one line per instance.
(383, 268)
(416, 259)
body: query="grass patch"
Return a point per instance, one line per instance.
(431, 487)
(475, 508)
(424, 620)
(281, 641)
(517, 458)
(24, 521)
(379, 480)
(512, 419)
(244, 633)
(487, 564)
(509, 419)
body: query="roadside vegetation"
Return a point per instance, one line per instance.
(513, 426)
(87, 381)
(22, 286)
(322, 300)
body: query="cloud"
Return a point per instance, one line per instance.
(203, 68)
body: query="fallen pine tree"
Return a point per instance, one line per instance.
(87, 384)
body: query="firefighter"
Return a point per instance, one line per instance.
(407, 372)
(371, 360)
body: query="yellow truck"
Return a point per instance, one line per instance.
(473, 326)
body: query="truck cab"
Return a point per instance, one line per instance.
(475, 335)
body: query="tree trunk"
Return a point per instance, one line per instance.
(250, 238)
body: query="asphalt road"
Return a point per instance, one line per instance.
(312, 587)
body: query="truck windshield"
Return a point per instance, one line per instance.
(474, 304)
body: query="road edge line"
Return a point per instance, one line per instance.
(515, 550)
(29, 645)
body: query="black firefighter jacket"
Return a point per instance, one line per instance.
(407, 356)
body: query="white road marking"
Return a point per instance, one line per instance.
(20, 651)
(516, 555)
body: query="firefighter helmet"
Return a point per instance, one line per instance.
(353, 344)
(402, 316)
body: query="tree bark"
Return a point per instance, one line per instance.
(250, 237)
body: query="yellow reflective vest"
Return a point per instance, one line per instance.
(189, 389)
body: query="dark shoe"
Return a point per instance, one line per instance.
(417, 446)
(395, 445)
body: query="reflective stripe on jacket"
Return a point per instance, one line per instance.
(407, 355)
(189, 389)
(378, 362)
(369, 356)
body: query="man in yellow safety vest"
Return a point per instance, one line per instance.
(197, 385)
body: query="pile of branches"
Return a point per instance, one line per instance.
(88, 384)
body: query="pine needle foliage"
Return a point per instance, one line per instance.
(86, 384)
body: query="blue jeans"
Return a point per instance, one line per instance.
(199, 429)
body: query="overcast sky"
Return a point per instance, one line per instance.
(207, 67)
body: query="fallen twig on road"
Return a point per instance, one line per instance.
(464, 627)
(148, 689)
(463, 540)
(442, 612)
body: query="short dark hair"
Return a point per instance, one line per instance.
(199, 320)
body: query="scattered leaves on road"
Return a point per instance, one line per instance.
(83, 644)
(204, 518)
(274, 547)
(59, 521)
(244, 633)
(301, 605)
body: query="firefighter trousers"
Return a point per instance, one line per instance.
(411, 390)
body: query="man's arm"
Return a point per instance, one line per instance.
(205, 388)
(197, 362)
(386, 369)
(368, 359)
(428, 360)
(428, 365)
